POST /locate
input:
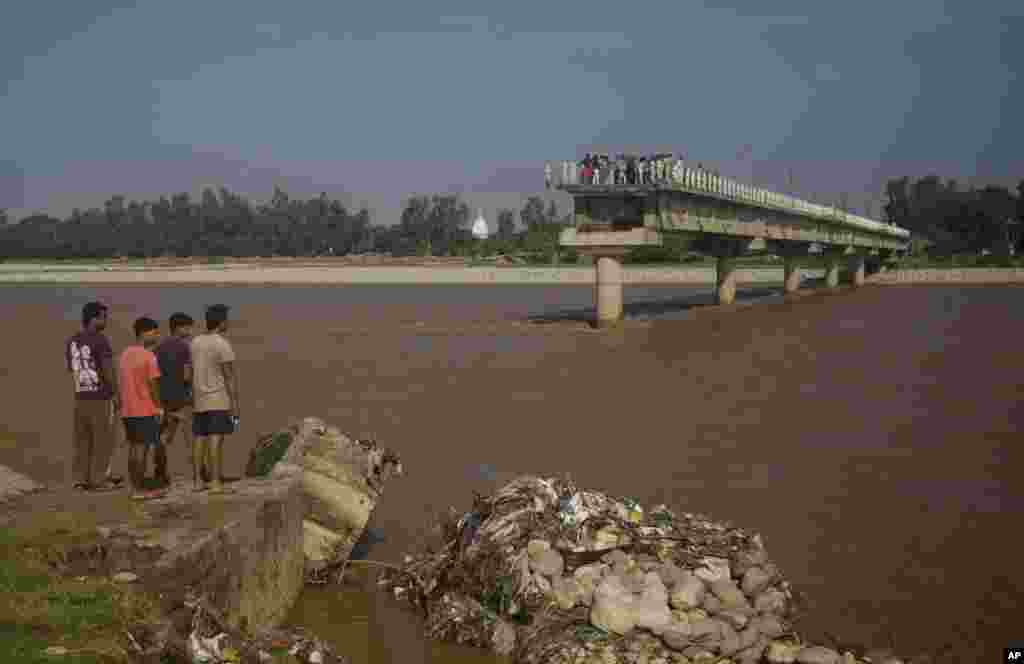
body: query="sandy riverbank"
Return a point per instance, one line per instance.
(297, 272)
(967, 275)
(257, 274)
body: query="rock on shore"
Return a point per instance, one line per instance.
(14, 485)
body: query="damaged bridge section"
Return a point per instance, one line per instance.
(722, 218)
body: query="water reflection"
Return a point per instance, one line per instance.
(370, 626)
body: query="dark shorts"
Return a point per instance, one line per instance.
(142, 430)
(212, 423)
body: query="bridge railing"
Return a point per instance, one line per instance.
(676, 173)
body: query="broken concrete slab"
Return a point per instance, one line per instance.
(241, 551)
(342, 479)
(14, 485)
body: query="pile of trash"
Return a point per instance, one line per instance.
(212, 641)
(546, 572)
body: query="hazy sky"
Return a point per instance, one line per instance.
(388, 98)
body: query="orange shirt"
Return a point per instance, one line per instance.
(135, 368)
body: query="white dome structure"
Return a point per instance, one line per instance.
(480, 230)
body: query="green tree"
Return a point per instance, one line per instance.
(532, 215)
(1020, 201)
(551, 214)
(897, 207)
(506, 225)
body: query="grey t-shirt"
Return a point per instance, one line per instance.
(209, 352)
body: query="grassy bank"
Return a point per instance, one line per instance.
(83, 620)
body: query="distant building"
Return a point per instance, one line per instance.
(480, 230)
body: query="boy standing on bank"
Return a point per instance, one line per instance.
(139, 375)
(174, 356)
(90, 360)
(215, 391)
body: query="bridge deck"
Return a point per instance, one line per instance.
(771, 201)
(725, 217)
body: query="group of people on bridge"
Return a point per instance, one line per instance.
(659, 168)
(666, 169)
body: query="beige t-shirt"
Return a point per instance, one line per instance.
(209, 352)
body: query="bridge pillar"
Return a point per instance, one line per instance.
(725, 286)
(791, 270)
(884, 256)
(857, 269)
(608, 272)
(791, 252)
(832, 272)
(609, 290)
(726, 250)
(833, 255)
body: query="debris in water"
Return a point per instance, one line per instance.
(550, 573)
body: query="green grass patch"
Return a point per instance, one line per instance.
(268, 454)
(40, 609)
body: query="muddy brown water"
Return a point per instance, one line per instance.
(872, 437)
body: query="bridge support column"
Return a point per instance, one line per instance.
(791, 270)
(832, 273)
(884, 256)
(857, 269)
(726, 250)
(725, 283)
(608, 292)
(833, 256)
(791, 252)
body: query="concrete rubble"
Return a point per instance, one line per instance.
(229, 568)
(14, 485)
(549, 573)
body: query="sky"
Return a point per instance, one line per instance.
(373, 102)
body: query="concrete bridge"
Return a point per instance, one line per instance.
(718, 217)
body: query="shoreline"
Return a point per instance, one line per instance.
(964, 275)
(584, 275)
(406, 275)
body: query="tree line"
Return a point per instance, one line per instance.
(223, 224)
(946, 219)
(943, 217)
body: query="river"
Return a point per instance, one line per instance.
(872, 437)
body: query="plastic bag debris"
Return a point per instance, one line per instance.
(549, 573)
(205, 650)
